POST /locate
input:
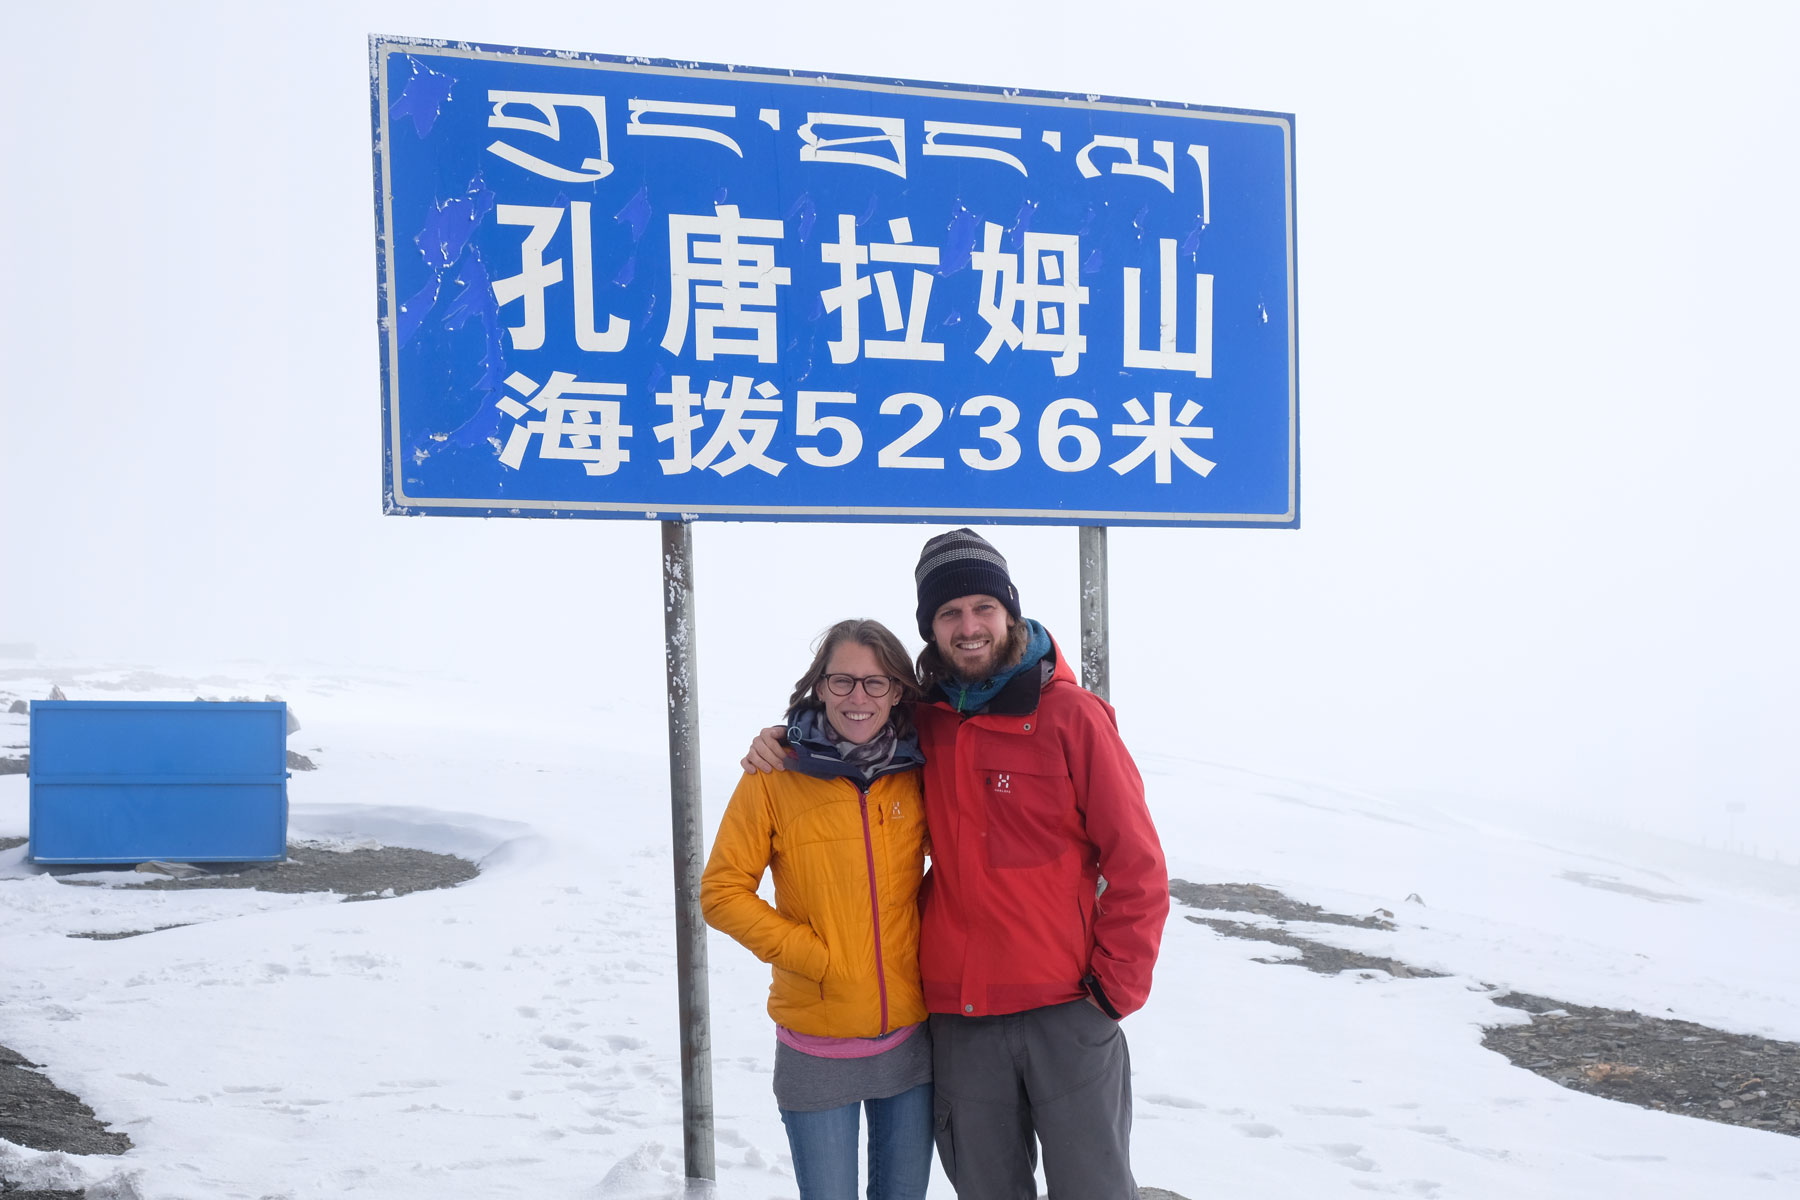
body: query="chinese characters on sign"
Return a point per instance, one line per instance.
(618, 289)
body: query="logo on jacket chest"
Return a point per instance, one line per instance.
(1002, 783)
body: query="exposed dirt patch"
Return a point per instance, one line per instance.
(1315, 956)
(1263, 901)
(35, 1112)
(7, 843)
(129, 933)
(1652, 1062)
(361, 874)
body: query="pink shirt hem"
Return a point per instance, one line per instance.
(835, 1047)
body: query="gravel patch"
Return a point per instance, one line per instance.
(1263, 901)
(1652, 1062)
(359, 874)
(128, 933)
(35, 1112)
(1315, 956)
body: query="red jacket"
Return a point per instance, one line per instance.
(1029, 803)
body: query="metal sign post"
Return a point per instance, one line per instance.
(1095, 657)
(689, 840)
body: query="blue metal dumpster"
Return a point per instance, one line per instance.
(129, 781)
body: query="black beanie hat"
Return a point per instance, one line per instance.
(962, 563)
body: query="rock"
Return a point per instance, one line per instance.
(19, 706)
(15, 766)
(297, 761)
(169, 869)
(1609, 1072)
(56, 693)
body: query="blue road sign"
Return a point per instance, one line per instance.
(627, 288)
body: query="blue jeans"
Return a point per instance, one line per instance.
(824, 1147)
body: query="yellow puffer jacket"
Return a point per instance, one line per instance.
(843, 934)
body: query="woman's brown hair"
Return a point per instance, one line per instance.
(888, 651)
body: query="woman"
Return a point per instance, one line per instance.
(843, 832)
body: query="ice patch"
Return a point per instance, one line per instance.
(95, 1176)
(464, 834)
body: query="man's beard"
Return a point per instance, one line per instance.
(1002, 654)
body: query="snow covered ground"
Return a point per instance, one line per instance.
(516, 1036)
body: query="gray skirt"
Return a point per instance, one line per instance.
(807, 1083)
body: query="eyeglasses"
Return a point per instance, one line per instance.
(873, 686)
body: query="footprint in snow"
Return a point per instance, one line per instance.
(1346, 1154)
(1169, 1101)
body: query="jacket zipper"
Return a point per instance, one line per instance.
(862, 800)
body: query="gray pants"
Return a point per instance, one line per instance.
(1059, 1076)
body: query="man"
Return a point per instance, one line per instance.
(1028, 959)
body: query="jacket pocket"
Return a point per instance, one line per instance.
(794, 988)
(944, 1133)
(807, 955)
(1030, 803)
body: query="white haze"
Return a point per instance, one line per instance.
(1546, 323)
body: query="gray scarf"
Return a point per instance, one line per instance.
(820, 752)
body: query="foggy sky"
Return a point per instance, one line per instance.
(1546, 319)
